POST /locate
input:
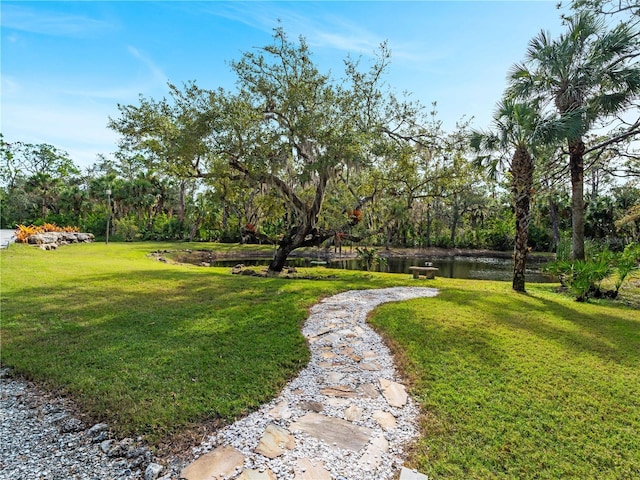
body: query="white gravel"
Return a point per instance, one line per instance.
(34, 445)
(40, 439)
(344, 314)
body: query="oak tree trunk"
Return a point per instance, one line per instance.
(285, 247)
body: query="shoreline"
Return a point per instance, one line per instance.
(245, 251)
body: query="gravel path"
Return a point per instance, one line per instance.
(41, 439)
(350, 383)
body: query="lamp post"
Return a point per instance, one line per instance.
(108, 213)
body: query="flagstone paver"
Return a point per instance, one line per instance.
(343, 391)
(385, 419)
(346, 415)
(281, 410)
(406, 474)
(333, 431)
(373, 454)
(307, 469)
(275, 441)
(353, 413)
(215, 465)
(394, 392)
(257, 475)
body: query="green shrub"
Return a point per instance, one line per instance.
(369, 258)
(540, 238)
(96, 223)
(627, 262)
(587, 276)
(584, 277)
(127, 229)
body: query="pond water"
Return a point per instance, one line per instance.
(481, 268)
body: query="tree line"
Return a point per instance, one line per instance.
(296, 157)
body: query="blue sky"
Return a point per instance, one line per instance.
(66, 65)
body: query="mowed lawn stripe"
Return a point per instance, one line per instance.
(520, 386)
(154, 348)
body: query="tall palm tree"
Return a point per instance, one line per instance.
(589, 72)
(518, 128)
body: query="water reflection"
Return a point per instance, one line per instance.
(480, 268)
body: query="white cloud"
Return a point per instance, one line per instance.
(78, 129)
(339, 41)
(238, 12)
(128, 86)
(324, 30)
(318, 29)
(156, 72)
(8, 86)
(20, 17)
(74, 117)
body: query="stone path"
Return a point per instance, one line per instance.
(346, 416)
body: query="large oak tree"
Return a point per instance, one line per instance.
(287, 127)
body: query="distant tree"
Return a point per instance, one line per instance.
(168, 136)
(609, 7)
(41, 170)
(415, 177)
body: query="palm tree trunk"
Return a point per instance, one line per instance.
(455, 215)
(555, 228)
(428, 233)
(181, 205)
(44, 208)
(576, 166)
(522, 178)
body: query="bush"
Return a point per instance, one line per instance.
(166, 227)
(126, 229)
(584, 277)
(24, 232)
(627, 262)
(369, 258)
(443, 241)
(540, 239)
(96, 223)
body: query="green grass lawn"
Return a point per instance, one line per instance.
(512, 386)
(520, 386)
(154, 348)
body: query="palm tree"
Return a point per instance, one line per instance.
(46, 188)
(589, 73)
(518, 130)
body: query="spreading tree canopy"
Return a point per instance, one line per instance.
(288, 128)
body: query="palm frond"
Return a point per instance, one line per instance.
(609, 104)
(539, 46)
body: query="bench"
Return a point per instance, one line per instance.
(428, 272)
